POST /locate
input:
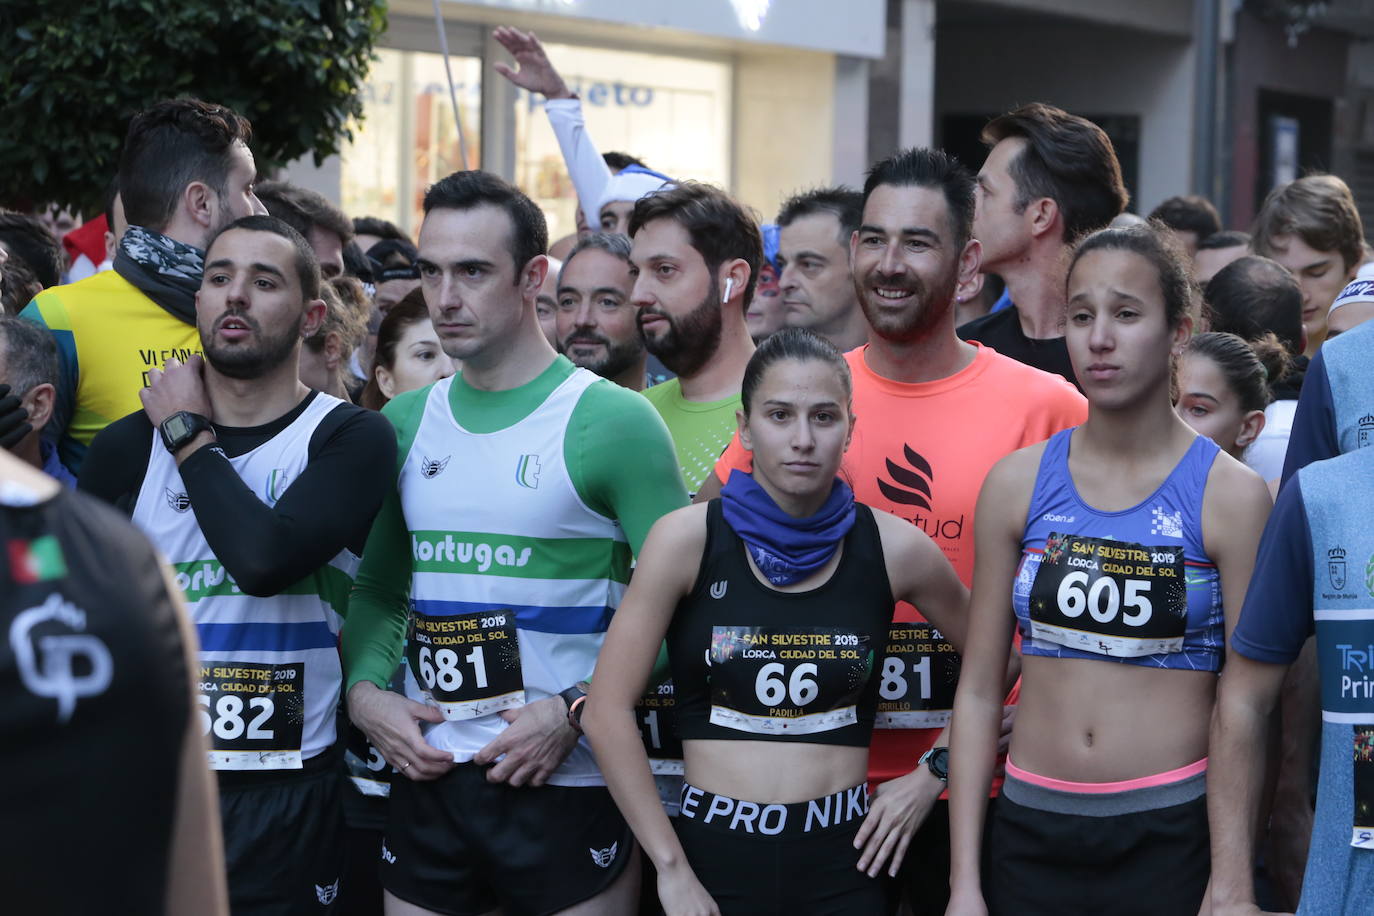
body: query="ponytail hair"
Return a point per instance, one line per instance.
(1251, 369)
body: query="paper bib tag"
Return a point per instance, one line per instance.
(918, 677)
(253, 714)
(656, 715)
(1362, 828)
(366, 766)
(787, 681)
(1109, 597)
(468, 664)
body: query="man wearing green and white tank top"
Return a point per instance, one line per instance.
(695, 260)
(234, 471)
(524, 486)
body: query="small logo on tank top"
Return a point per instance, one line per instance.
(1366, 430)
(1335, 567)
(1166, 524)
(718, 589)
(178, 501)
(527, 471)
(1054, 517)
(327, 893)
(429, 468)
(604, 857)
(387, 855)
(277, 482)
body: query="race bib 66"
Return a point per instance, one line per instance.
(793, 680)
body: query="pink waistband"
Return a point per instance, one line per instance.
(1101, 788)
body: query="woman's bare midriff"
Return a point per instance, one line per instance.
(773, 772)
(1085, 720)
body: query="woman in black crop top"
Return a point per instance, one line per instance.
(775, 600)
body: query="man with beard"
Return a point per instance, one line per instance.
(234, 469)
(185, 172)
(934, 414)
(695, 261)
(1049, 179)
(597, 327)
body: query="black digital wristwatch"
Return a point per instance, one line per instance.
(181, 427)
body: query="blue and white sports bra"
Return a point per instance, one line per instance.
(1134, 586)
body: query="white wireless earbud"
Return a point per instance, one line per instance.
(729, 288)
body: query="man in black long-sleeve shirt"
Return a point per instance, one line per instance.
(260, 492)
(1050, 178)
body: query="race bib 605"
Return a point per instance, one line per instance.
(1110, 597)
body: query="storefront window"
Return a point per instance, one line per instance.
(407, 139)
(671, 112)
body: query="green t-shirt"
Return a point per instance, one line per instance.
(700, 429)
(618, 455)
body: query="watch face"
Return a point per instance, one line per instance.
(177, 425)
(937, 760)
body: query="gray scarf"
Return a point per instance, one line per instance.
(163, 269)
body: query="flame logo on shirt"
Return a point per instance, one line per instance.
(911, 483)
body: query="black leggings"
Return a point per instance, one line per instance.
(754, 875)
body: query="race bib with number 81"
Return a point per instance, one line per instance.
(253, 714)
(468, 664)
(797, 680)
(918, 677)
(1109, 597)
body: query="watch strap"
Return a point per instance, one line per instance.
(575, 697)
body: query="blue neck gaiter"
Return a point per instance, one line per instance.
(786, 549)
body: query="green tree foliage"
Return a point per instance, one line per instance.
(72, 73)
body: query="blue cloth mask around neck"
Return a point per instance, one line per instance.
(786, 549)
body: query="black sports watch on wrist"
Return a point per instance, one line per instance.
(575, 697)
(181, 427)
(937, 761)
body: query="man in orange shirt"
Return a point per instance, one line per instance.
(934, 414)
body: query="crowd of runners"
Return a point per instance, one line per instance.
(963, 543)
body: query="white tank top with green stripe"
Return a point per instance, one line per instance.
(505, 554)
(270, 670)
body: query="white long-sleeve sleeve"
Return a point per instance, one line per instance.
(588, 170)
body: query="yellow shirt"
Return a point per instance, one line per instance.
(109, 334)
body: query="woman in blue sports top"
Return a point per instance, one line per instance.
(774, 600)
(1122, 550)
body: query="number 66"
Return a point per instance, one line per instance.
(801, 686)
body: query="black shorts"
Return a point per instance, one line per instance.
(283, 839)
(1143, 851)
(779, 860)
(463, 846)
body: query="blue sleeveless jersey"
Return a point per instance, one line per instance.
(1134, 586)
